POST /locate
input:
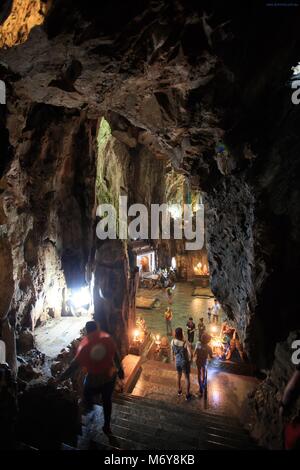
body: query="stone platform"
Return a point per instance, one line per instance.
(147, 303)
(131, 365)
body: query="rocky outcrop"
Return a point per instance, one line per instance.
(266, 425)
(49, 203)
(57, 406)
(111, 292)
(18, 17)
(230, 242)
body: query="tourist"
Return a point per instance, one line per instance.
(216, 311)
(209, 314)
(97, 355)
(201, 328)
(191, 328)
(201, 354)
(225, 338)
(168, 318)
(182, 355)
(235, 345)
(170, 295)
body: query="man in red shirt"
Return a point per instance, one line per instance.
(97, 355)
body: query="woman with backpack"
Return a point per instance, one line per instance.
(182, 355)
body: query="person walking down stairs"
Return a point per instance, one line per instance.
(97, 354)
(182, 354)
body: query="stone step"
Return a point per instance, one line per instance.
(68, 447)
(159, 440)
(215, 417)
(195, 436)
(180, 415)
(105, 443)
(193, 431)
(171, 407)
(170, 421)
(142, 424)
(184, 438)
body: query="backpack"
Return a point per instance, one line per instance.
(182, 354)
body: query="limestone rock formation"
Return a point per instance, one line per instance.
(266, 424)
(18, 17)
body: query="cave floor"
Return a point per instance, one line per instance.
(227, 392)
(184, 305)
(57, 334)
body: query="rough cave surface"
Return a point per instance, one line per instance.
(173, 79)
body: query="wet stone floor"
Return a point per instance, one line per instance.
(184, 305)
(227, 392)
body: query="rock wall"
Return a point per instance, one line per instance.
(48, 205)
(265, 424)
(230, 244)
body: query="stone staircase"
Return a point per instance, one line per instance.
(144, 424)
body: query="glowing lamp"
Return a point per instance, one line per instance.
(157, 342)
(198, 268)
(136, 335)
